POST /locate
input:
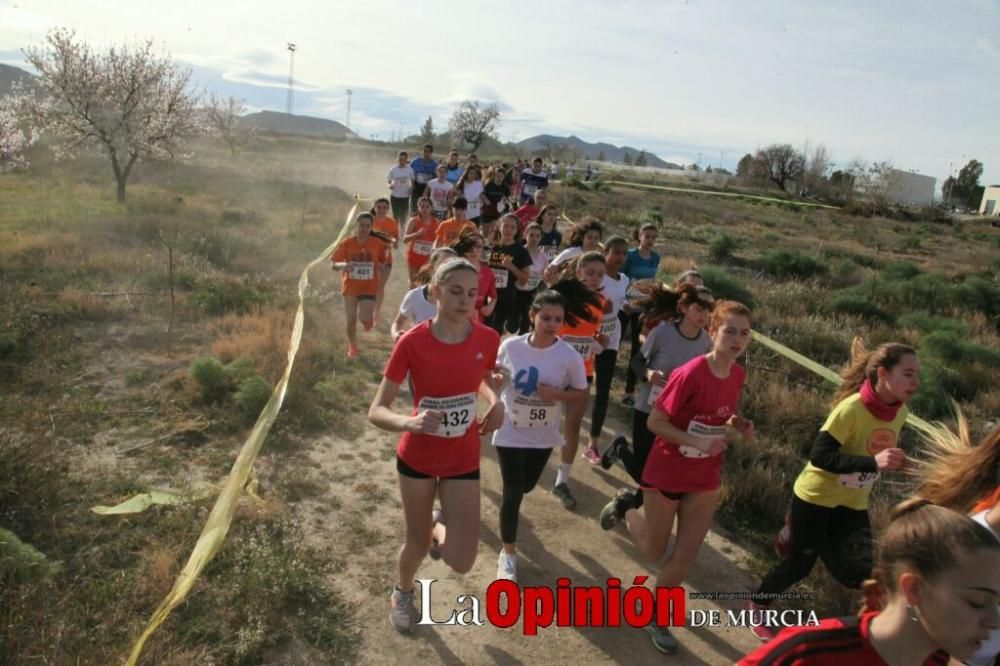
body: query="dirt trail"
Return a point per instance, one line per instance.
(357, 519)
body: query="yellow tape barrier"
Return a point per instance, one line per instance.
(821, 370)
(692, 190)
(143, 501)
(221, 517)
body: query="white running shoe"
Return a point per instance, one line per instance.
(507, 567)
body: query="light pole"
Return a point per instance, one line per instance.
(291, 80)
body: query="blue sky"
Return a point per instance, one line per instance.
(913, 82)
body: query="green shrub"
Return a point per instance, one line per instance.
(925, 322)
(952, 348)
(211, 378)
(651, 216)
(239, 370)
(721, 248)
(785, 264)
(900, 270)
(725, 286)
(938, 386)
(976, 293)
(216, 295)
(252, 396)
(857, 305)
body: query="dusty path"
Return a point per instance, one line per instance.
(357, 520)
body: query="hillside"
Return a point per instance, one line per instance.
(611, 152)
(9, 75)
(273, 121)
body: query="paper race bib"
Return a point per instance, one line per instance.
(528, 189)
(528, 412)
(459, 413)
(423, 178)
(705, 431)
(609, 325)
(552, 251)
(423, 248)
(582, 344)
(473, 210)
(532, 283)
(858, 480)
(501, 277)
(362, 270)
(655, 392)
(401, 183)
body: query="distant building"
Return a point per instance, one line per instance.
(910, 189)
(991, 201)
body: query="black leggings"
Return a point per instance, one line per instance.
(642, 442)
(841, 537)
(604, 368)
(633, 326)
(400, 210)
(520, 470)
(524, 299)
(505, 316)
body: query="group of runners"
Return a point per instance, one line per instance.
(507, 332)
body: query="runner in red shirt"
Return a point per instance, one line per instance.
(681, 477)
(362, 258)
(419, 239)
(450, 360)
(470, 246)
(934, 596)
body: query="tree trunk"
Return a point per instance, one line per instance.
(119, 176)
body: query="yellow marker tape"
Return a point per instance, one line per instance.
(692, 190)
(221, 517)
(143, 501)
(821, 370)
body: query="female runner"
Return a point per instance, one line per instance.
(509, 262)
(526, 292)
(642, 264)
(614, 287)
(449, 230)
(450, 360)
(585, 237)
(588, 268)
(682, 473)
(545, 372)
(419, 238)
(965, 478)
(933, 597)
(470, 246)
(362, 258)
(417, 305)
(470, 188)
(860, 439)
(389, 228)
(667, 347)
(548, 218)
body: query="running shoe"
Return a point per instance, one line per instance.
(352, 351)
(763, 633)
(663, 640)
(435, 550)
(507, 567)
(614, 511)
(628, 400)
(614, 452)
(403, 614)
(562, 492)
(592, 455)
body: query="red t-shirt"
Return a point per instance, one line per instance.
(440, 370)
(526, 213)
(418, 252)
(487, 288)
(835, 642)
(697, 402)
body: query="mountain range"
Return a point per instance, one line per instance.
(591, 150)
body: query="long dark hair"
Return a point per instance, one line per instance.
(657, 301)
(864, 365)
(575, 298)
(580, 230)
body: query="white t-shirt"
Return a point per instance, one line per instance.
(416, 306)
(471, 191)
(402, 181)
(438, 193)
(531, 423)
(538, 263)
(614, 290)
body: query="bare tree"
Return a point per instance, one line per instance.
(128, 101)
(15, 137)
(225, 121)
(781, 163)
(427, 131)
(472, 122)
(818, 162)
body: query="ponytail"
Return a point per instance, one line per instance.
(578, 301)
(864, 365)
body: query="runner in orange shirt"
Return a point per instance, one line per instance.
(449, 230)
(585, 338)
(419, 238)
(361, 257)
(390, 228)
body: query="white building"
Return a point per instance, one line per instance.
(991, 201)
(910, 189)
